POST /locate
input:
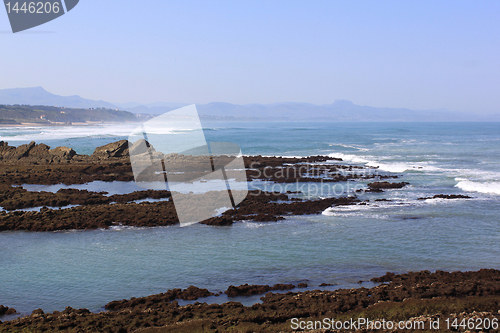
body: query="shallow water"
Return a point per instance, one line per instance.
(343, 245)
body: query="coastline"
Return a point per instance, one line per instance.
(61, 124)
(415, 297)
(38, 164)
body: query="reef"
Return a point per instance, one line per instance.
(415, 296)
(97, 211)
(447, 196)
(39, 164)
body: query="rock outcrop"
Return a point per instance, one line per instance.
(386, 185)
(447, 196)
(114, 149)
(411, 296)
(97, 212)
(248, 290)
(190, 294)
(5, 310)
(32, 153)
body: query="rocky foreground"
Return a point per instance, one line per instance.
(413, 297)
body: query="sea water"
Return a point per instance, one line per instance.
(343, 245)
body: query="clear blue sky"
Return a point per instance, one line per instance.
(415, 54)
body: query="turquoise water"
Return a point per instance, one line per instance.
(342, 246)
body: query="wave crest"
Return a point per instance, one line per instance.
(481, 187)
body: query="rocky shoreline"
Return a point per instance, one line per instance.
(415, 296)
(39, 164)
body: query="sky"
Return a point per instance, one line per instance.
(414, 54)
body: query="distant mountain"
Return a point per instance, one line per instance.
(340, 110)
(39, 96)
(150, 105)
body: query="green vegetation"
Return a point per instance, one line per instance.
(12, 114)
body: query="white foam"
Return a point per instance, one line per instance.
(349, 158)
(436, 201)
(390, 167)
(349, 146)
(150, 200)
(253, 225)
(399, 167)
(354, 211)
(221, 210)
(476, 174)
(283, 156)
(481, 187)
(396, 167)
(121, 227)
(42, 134)
(380, 206)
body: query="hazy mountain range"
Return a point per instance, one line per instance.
(340, 110)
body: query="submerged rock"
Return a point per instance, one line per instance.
(5, 310)
(191, 293)
(447, 196)
(386, 185)
(248, 290)
(219, 221)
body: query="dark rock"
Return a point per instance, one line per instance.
(218, 221)
(6, 150)
(37, 312)
(140, 147)
(386, 278)
(191, 293)
(447, 196)
(63, 152)
(40, 150)
(370, 190)
(114, 149)
(95, 211)
(407, 296)
(5, 310)
(262, 217)
(19, 152)
(302, 285)
(111, 163)
(247, 290)
(386, 185)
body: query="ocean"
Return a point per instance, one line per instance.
(341, 246)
